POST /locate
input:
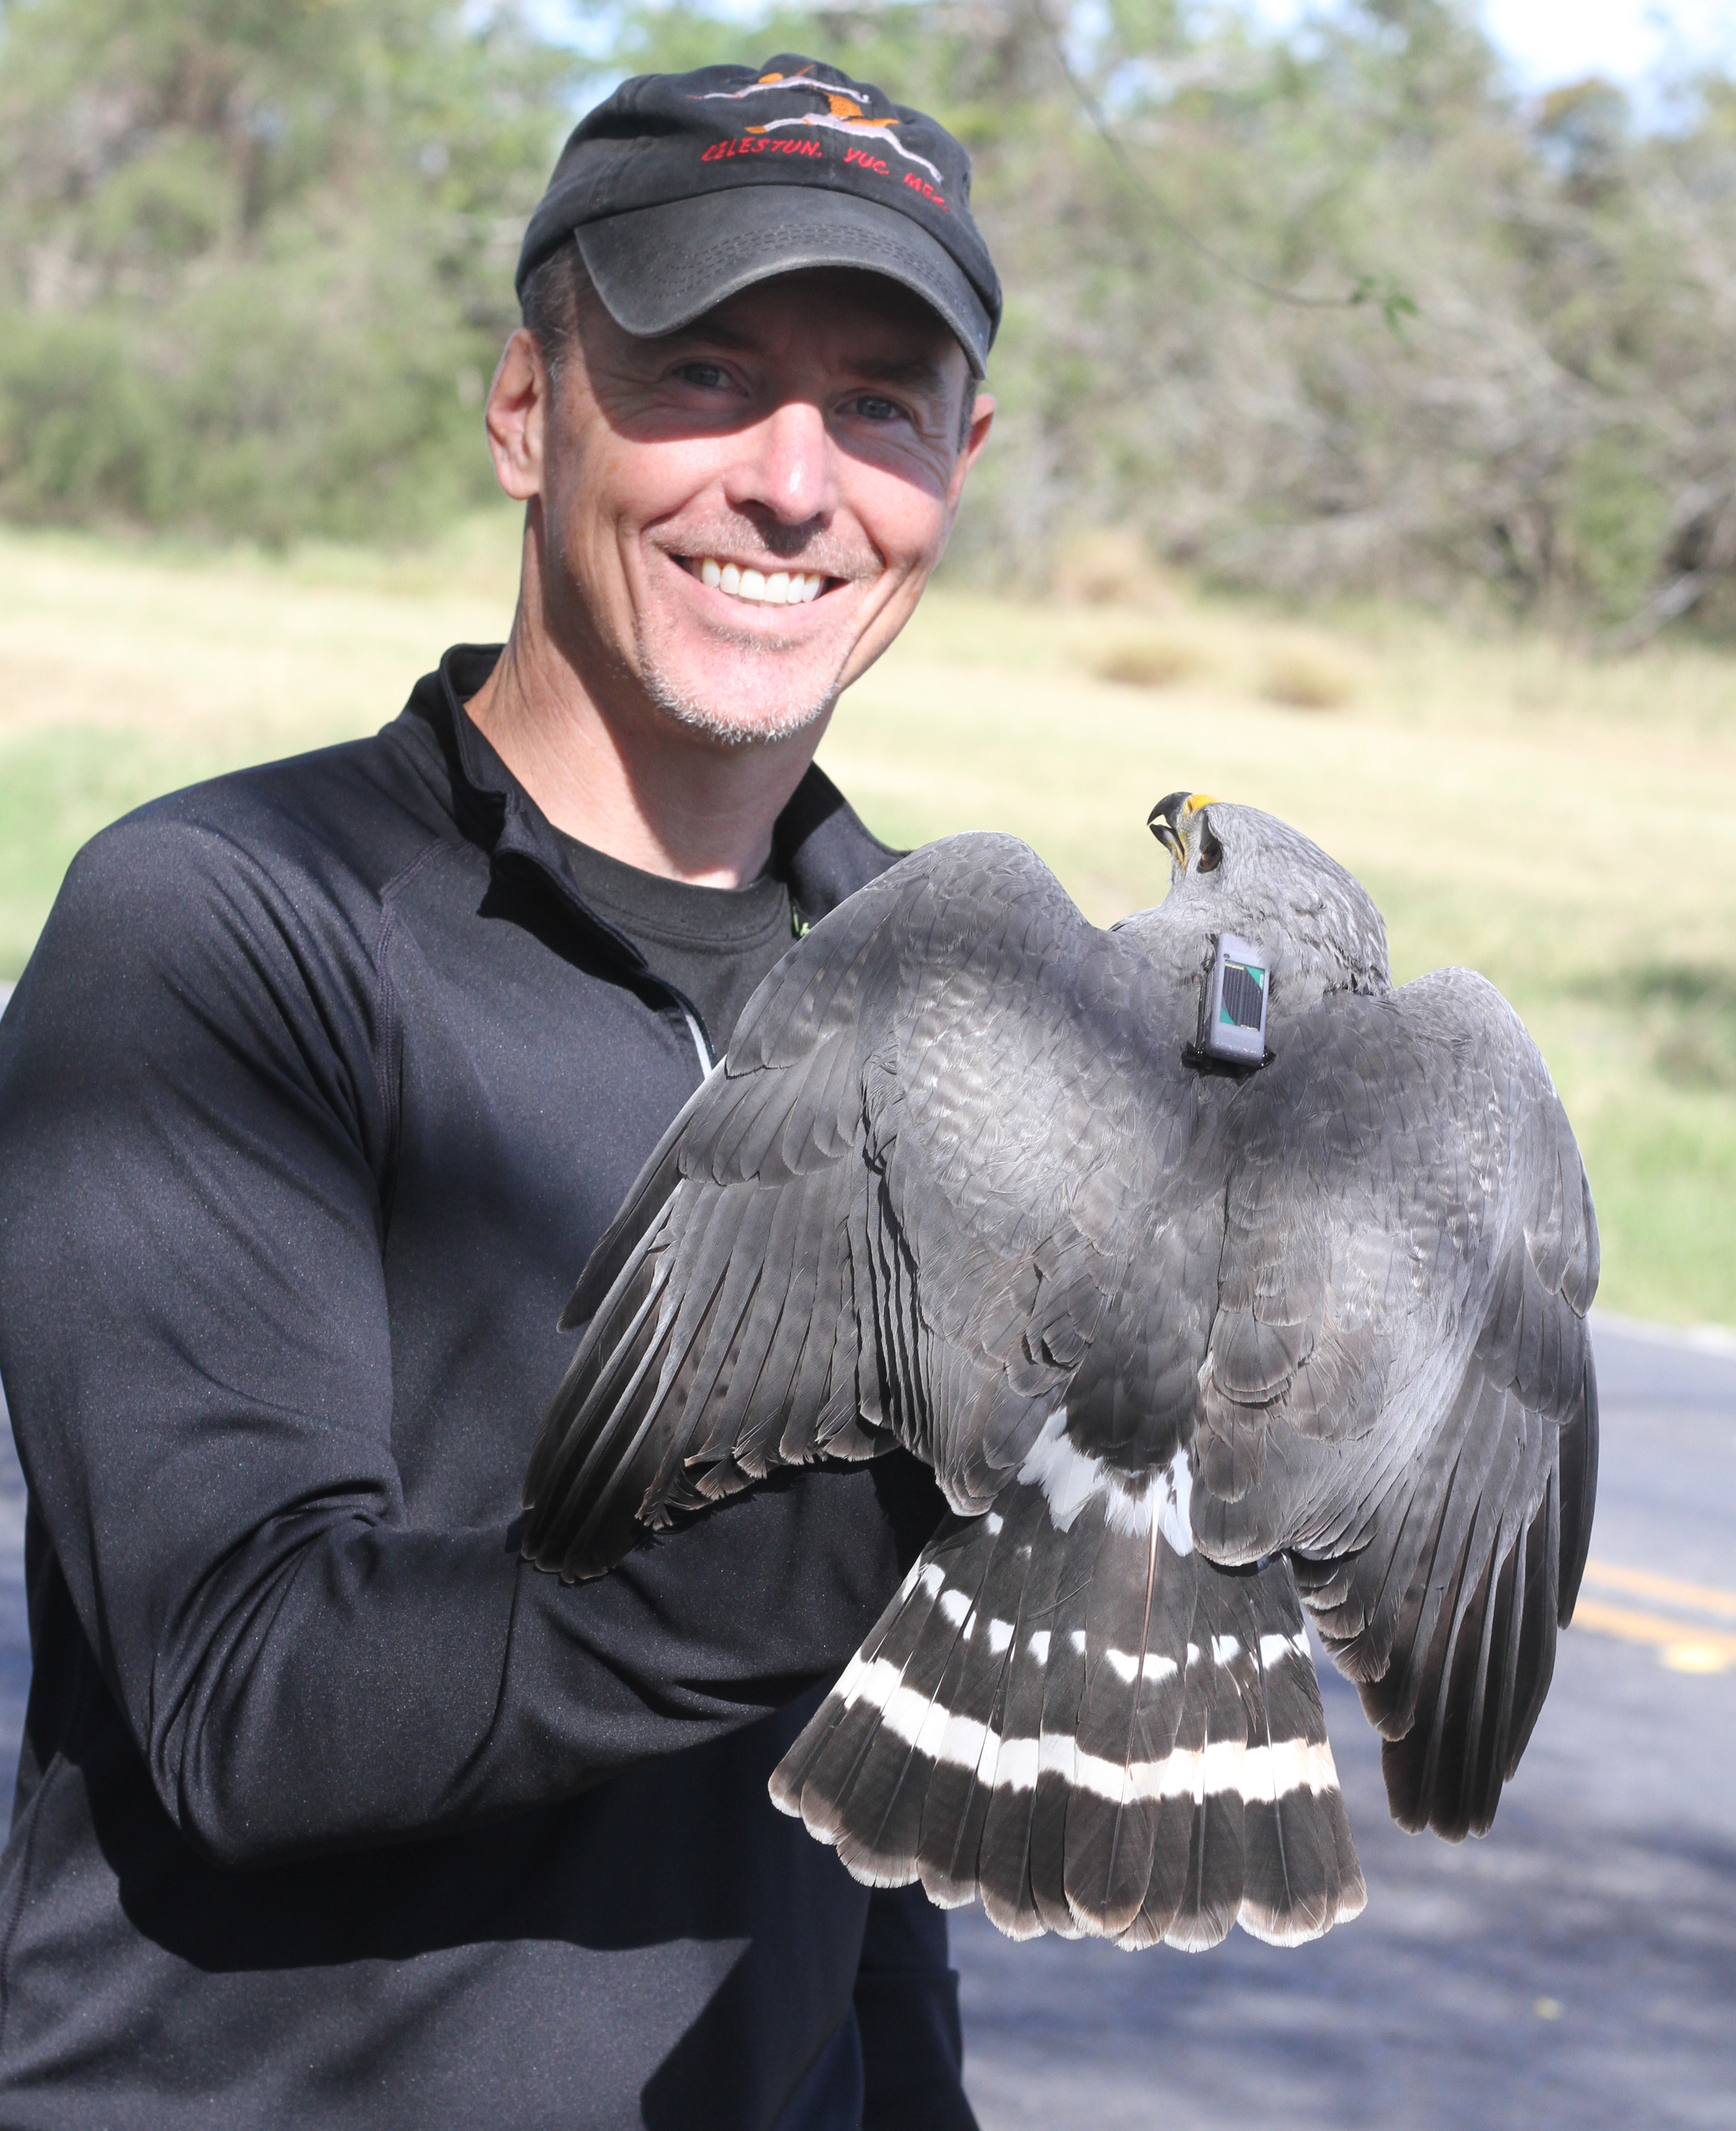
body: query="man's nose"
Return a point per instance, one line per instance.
(787, 467)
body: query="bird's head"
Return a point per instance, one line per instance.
(1237, 870)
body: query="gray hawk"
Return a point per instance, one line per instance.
(1189, 1346)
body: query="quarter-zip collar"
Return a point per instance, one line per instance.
(818, 845)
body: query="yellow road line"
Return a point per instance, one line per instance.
(1683, 1646)
(1704, 1598)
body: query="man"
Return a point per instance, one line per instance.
(324, 1081)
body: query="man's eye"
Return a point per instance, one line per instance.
(709, 377)
(873, 408)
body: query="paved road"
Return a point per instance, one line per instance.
(1576, 1969)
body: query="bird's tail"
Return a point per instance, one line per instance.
(1101, 1735)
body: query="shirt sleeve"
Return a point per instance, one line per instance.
(194, 1338)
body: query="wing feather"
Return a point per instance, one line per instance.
(1348, 1292)
(808, 1258)
(1399, 1386)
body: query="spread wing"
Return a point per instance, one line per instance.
(944, 1073)
(1322, 1324)
(1398, 1388)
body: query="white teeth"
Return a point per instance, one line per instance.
(781, 588)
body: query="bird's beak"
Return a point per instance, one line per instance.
(1167, 821)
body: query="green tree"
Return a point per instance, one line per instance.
(1327, 312)
(256, 255)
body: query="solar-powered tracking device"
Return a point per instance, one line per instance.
(1232, 1003)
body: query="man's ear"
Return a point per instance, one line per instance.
(976, 435)
(517, 416)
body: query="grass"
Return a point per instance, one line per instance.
(1568, 826)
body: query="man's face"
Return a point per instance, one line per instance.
(803, 440)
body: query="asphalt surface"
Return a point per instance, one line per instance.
(1577, 1968)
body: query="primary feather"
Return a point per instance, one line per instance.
(1188, 1349)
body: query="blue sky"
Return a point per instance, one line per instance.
(1634, 42)
(1638, 43)
(1549, 41)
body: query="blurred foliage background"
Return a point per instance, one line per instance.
(255, 256)
(1367, 450)
(1331, 311)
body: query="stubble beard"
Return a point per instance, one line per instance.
(706, 717)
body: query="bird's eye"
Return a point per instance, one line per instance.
(1211, 854)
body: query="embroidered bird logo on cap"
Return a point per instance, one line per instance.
(846, 112)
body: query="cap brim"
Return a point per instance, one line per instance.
(659, 268)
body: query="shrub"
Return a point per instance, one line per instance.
(253, 259)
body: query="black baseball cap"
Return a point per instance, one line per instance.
(682, 189)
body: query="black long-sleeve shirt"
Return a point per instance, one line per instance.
(321, 1084)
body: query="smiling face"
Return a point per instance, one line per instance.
(738, 518)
